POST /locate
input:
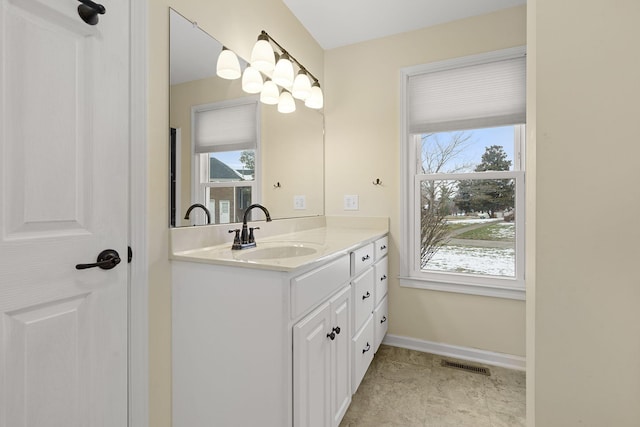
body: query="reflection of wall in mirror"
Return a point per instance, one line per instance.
(295, 159)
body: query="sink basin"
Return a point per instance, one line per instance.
(274, 252)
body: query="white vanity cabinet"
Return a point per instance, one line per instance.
(268, 347)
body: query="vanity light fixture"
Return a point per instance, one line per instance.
(228, 66)
(270, 93)
(301, 85)
(286, 104)
(304, 87)
(262, 56)
(283, 73)
(316, 100)
(252, 80)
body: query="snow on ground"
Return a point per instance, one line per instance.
(466, 259)
(470, 221)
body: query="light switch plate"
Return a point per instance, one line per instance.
(351, 202)
(299, 202)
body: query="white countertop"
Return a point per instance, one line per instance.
(337, 237)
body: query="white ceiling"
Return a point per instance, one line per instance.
(335, 23)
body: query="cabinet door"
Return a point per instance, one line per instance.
(312, 369)
(340, 355)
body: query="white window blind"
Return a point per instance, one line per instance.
(228, 128)
(468, 97)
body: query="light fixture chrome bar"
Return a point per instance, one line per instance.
(291, 57)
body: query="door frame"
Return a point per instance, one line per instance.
(138, 270)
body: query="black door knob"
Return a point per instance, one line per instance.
(107, 259)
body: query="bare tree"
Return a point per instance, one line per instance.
(439, 153)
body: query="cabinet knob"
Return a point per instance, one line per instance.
(384, 277)
(366, 257)
(367, 348)
(336, 329)
(331, 336)
(365, 296)
(384, 319)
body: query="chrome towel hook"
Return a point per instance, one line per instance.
(89, 11)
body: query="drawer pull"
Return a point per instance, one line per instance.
(367, 348)
(384, 277)
(365, 296)
(383, 247)
(366, 257)
(331, 336)
(384, 319)
(336, 330)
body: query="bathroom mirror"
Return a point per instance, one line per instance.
(286, 171)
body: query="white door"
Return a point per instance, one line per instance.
(64, 125)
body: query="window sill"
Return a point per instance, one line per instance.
(516, 293)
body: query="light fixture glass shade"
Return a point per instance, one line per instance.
(270, 93)
(228, 66)
(316, 100)
(252, 80)
(283, 73)
(301, 86)
(262, 56)
(286, 103)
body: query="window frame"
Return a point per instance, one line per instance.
(200, 183)
(410, 273)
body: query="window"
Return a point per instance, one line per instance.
(226, 157)
(463, 175)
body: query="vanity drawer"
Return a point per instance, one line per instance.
(362, 353)
(382, 272)
(380, 322)
(310, 289)
(381, 247)
(361, 259)
(362, 298)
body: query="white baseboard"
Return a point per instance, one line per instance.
(465, 353)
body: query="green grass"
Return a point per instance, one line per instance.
(496, 232)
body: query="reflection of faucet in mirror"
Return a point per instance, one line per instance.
(198, 205)
(246, 240)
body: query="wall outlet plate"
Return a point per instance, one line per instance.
(299, 202)
(351, 202)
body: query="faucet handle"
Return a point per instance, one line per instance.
(251, 238)
(237, 236)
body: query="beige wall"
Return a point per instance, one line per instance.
(363, 143)
(587, 286)
(237, 24)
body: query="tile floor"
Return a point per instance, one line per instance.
(409, 388)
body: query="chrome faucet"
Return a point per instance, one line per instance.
(246, 240)
(198, 205)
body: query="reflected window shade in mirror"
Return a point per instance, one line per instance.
(225, 128)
